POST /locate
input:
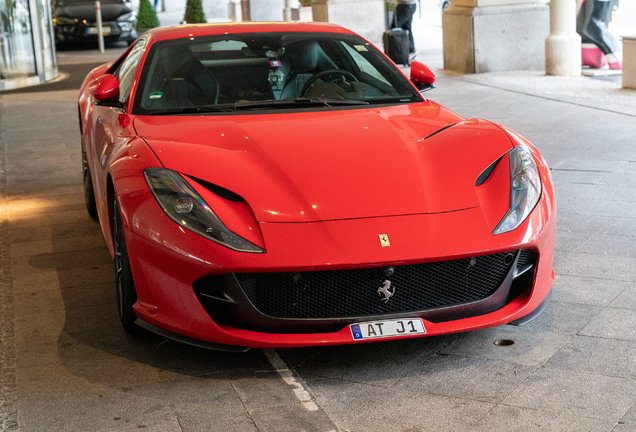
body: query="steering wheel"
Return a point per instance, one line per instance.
(319, 75)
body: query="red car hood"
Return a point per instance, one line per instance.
(344, 164)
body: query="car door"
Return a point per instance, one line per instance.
(112, 126)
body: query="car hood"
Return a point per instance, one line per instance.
(86, 11)
(345, 164)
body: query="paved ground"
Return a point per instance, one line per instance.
(66, 364)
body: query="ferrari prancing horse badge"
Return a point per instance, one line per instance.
(384, 240)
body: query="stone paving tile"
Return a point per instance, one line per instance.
(623, 226)
(92, 407)
(262, 390)
(291, 418)
(55, 218)
(562, 176)
(617, 245)
(596, 355)
(572, 240)
(597, 266)
(615, 192)
(563, 317)
(516, 419)
(561, 390)
(209, 419)
(170, 425)
(626, 299)
(559, 256)
(586, 290)
(626, 427)
(530, 348)
(47, 192)
(621, 178)
(573, 222)
(369, 408)
(53, 279)
(380, 364)
(594, 207)
(630, 416)
(599, 165)
(478, 379)
(72, 243)
(89, 227)
(613, 323)
(25, 205)
(84, 258)
(42, 301)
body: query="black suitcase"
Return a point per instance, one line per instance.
(396, 45)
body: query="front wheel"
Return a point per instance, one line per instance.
(126, 293)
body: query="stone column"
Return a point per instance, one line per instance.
(629, 62)
(563, 46)
(495, 35)
(365, 17)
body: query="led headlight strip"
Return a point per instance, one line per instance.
(184, 205)
(525, 189)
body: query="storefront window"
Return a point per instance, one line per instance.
(27, 52)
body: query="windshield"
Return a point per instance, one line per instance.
(291, 70)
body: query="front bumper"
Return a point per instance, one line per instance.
(167, 261)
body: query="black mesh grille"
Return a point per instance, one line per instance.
(211, 285)
(525, 257)
(350, 293)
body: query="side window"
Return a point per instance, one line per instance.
(126, 71)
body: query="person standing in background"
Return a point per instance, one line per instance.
(599, 46)
(404, 10)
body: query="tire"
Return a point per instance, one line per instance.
(89, 192)
(126, 293)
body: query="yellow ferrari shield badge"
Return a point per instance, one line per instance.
(384, 240)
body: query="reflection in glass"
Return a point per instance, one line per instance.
(16, 47)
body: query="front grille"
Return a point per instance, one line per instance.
(354, 292)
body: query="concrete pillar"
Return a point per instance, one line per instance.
(495, 35)
(365, 17)
(287, 13)
(563, 46)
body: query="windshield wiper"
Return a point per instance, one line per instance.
(192, 110)
(297, 102)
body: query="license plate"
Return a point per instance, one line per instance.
(94, 31)
(378, 329)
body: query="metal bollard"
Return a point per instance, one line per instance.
(100, 33)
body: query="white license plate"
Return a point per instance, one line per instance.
(378, 329)
(94, 30)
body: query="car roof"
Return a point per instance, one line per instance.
(195, 30)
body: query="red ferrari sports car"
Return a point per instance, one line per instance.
(285, 184)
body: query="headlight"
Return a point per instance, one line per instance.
(525, 189)
(130, 16)
(185, 206)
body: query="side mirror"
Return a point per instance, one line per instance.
(422, 76)
(105, 87)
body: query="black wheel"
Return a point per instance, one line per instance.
(126, 293)
(89, 193)
(322, 74)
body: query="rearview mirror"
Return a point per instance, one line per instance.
(422, 76)
(105, 87)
